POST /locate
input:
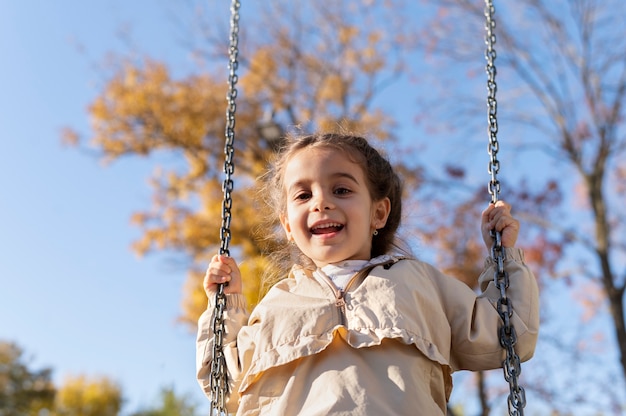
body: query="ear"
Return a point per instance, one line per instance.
(380, 213)
(284, 221)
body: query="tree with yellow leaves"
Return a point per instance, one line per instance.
(326, 80)
(94, 396)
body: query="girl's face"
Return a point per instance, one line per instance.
(330, 214)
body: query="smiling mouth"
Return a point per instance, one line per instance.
(329, 228)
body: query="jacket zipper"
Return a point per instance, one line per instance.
(340, 300)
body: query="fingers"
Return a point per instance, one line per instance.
(222, 269)
(498, 217)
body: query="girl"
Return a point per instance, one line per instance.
(356, 329)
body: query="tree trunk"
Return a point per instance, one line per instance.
(616, 301)
(615, 293)
(483, 395)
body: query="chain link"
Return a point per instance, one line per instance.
(508, 338)
(219, 375)
(492, 103)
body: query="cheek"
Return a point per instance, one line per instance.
(295, 216)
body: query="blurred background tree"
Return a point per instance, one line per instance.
(23, 391)
(28, 392)
(321, 67)
(88, 396)
(170, 405)
(563, 73)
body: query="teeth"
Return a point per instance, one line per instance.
(328, 225)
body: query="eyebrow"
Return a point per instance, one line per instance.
(337, 175)
(344, 175)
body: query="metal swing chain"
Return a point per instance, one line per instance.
(508, 337)
(219, 375)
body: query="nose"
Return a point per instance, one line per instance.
(321, 202)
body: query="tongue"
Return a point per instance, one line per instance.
(326, 230)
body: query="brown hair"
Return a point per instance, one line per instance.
(382, 182)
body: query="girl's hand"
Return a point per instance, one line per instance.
(499, 216)
(222, 269)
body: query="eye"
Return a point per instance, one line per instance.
(342, 191)
(302, 196)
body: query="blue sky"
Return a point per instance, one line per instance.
(72, 294)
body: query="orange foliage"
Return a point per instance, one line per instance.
(326, 80)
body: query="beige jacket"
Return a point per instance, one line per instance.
(387, 346)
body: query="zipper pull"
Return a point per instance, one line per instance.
(341, 306)
(340, 302)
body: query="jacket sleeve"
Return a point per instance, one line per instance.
(475, 320)
(235, 317)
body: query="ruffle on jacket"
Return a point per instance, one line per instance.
(305, 346)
